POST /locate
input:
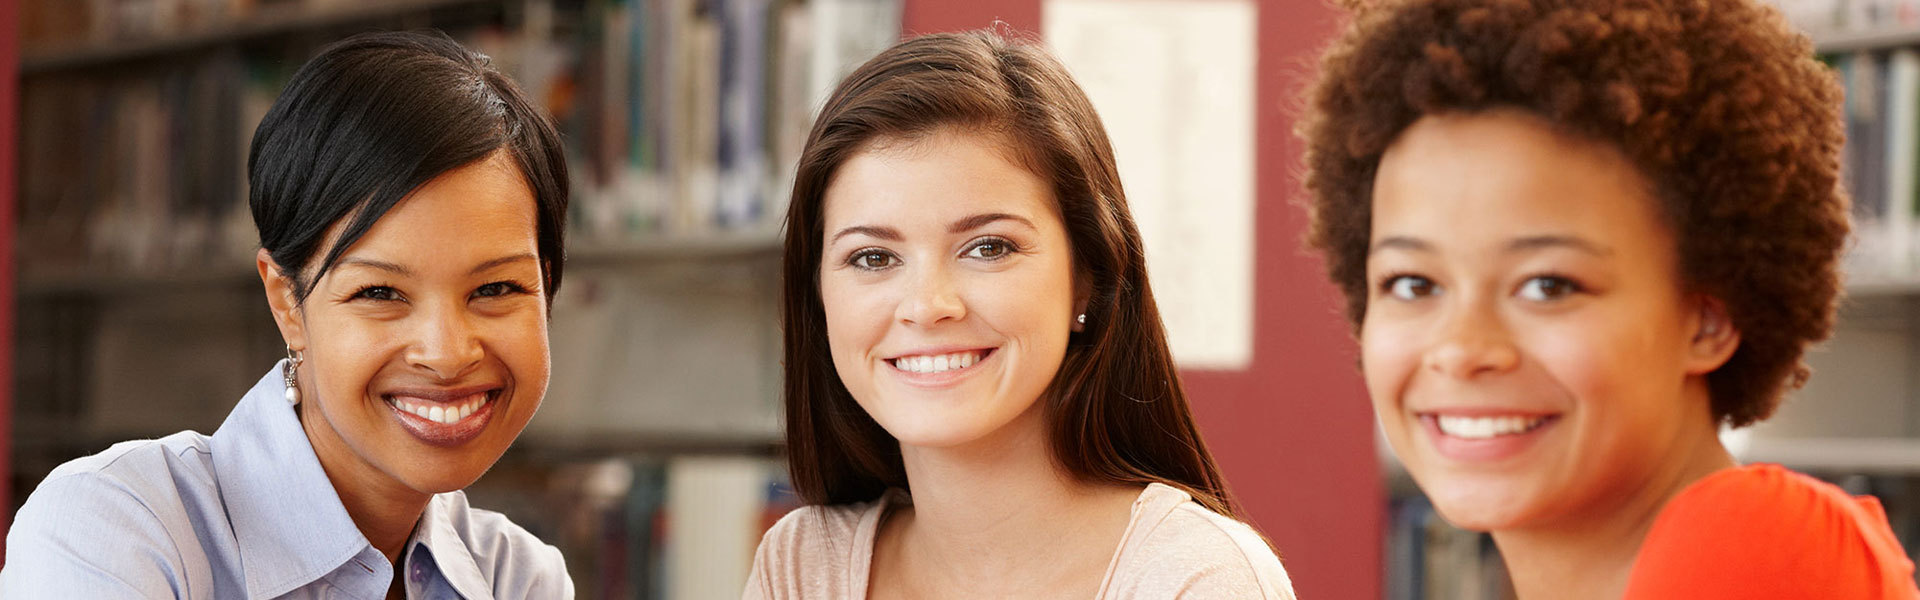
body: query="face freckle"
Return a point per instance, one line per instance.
(1526, 339)
(425, 345)
(947, 282)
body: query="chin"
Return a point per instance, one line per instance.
(1482, 506)
(932, 434)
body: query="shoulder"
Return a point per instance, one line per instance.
(128, 482)
(513, 561)
(814, 551)
(1176, 547)
(117, 518)
(1767, 524)
(818, 523)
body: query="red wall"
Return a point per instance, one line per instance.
(1294, 433)
(9, 96)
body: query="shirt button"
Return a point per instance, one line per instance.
(419, 572)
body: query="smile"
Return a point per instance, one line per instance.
(1481, 428)
(444, 418)
(438, 412)
(939, 363)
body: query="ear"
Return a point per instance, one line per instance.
(1082, 296)
(1714, 336)
(282, 300)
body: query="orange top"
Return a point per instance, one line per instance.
(1762, 531)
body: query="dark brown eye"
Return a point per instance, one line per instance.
(990, 249)
(498, 288)
(378, 292)
(872, 260)
(1410, 287)
(1548, 287)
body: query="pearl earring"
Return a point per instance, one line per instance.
(293, 383)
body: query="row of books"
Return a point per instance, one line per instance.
(681, 527)
(687, 116)
(65, 23)
(682, 117)
(137, 172)
(1881, 162)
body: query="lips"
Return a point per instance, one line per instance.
(939, 363)
(1483, 437)
(939, 367)
(444, 417)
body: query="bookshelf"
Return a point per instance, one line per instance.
(141, 314)
(217, 29)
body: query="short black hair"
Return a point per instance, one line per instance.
(373, 117)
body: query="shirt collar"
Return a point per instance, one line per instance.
(449, 551)
(290, 524)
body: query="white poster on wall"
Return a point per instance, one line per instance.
(1174, 83)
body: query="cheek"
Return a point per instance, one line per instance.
(521, 342)
(1389, 356)
(857, 317)
(345, 351)
(1601, 361)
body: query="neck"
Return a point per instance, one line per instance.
(1593, 551)
(382, 508)
(1002, 510)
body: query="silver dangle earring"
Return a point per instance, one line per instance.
(293, 383)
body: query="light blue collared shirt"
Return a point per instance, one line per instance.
(248, 513)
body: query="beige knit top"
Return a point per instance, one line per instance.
(1173, 548)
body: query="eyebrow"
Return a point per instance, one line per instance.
(404, 272)
(982, 220)
(1525, 244)
(504, 260)
(960, 226)
(381, 265)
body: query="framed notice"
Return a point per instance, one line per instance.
(1174, 83)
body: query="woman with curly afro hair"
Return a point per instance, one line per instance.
(1576, 237)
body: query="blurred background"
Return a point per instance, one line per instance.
(654, 463)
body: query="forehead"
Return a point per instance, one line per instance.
(1485, 178)
(484, 206)
(934, 179)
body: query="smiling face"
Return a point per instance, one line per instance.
(426, 343)
(1531, 354)
(948, 285)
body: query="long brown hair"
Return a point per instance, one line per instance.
(1115, 411)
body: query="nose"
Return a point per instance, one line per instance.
(932, 296)
(1472, 341)
(447, 344)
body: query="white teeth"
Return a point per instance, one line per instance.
(440, 413)
(936, 364)
(1480, 428)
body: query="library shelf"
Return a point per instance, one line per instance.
(1907, 287)
(266, 21)
(1833, 42)
(1865, 456)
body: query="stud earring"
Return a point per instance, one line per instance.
(293, 383)
(1082, 318)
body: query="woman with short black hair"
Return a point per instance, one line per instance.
(411, 205)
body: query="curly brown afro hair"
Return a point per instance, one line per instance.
(1719, 103)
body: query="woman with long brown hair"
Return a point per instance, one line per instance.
(980, 397)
